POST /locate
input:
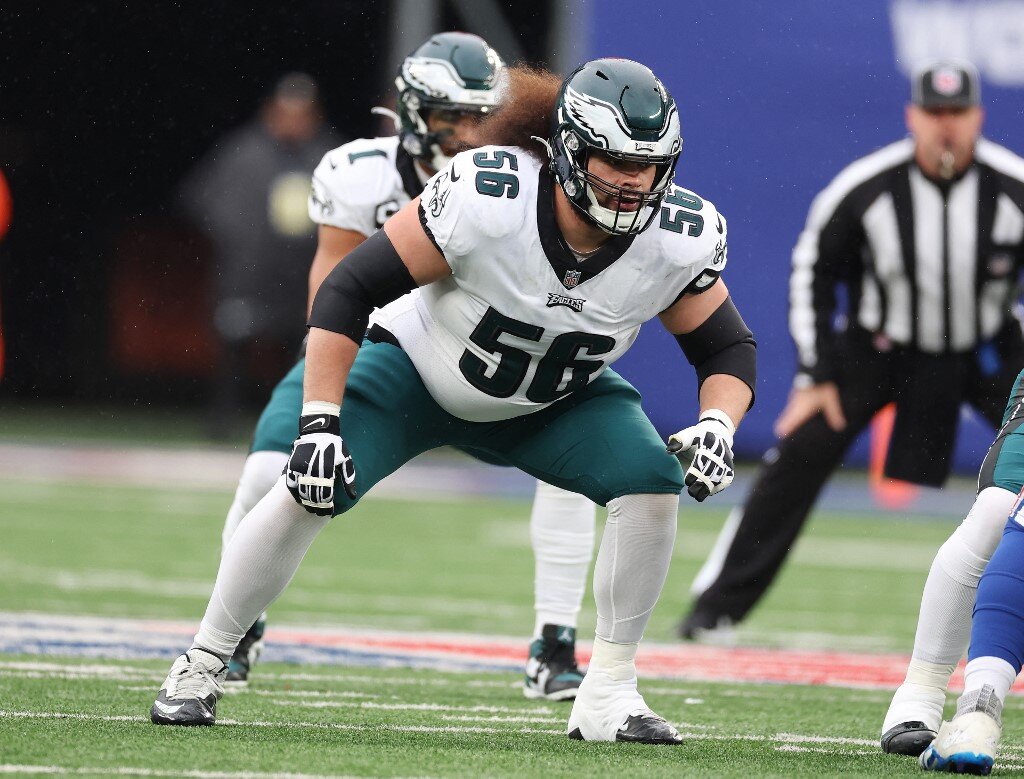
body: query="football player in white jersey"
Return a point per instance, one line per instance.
(531, 266)
(444, 88)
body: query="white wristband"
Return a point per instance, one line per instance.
(719, 416)
(311, 407)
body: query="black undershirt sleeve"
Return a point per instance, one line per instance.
(722, 344)
(369, 277)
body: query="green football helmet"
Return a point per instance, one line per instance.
(453, 71)
(618, 107)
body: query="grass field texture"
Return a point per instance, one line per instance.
(464, 566)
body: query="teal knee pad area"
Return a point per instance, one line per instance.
(635, 460)
(598, 443)
(388, 417)
(1009, 466)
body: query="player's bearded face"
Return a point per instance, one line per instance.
(635, 176)
(456, 130)
(945, 138)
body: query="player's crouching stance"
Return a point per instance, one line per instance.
(444, 88)
(529, 274)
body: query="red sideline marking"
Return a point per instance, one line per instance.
(681, 661)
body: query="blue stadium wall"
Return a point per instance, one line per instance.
(775, 98)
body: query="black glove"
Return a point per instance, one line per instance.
(319, 457)
(705, 451)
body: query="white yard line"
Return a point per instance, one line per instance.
(823, 751)
(788, 741)
(9, 768)
(54, 671)
(247, 691)
(154, 678)
(58, 715)
(525, 720)
(356, 679)
(34, 670)
(366, 705)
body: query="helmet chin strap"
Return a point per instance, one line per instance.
(543, 142)
(616, 222)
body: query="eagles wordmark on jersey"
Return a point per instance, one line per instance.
(502, 320)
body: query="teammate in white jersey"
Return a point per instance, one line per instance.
(444, 88)
(531, 263)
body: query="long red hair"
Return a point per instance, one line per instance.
(529, 102)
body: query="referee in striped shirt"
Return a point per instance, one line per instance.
(927, 237)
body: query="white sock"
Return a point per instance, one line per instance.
(562, 535)
(260, 472)
(257, 565)
(632, 564)
(608, 694)
(615, 660)
(944, 625)
(994, 671)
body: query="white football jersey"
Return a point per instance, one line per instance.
(358, 185)
(521, 322)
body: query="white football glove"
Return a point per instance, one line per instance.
(319, 457)
(705, 451)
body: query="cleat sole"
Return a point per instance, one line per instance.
(658, 742)
(160, 719)
(907, 738)
(959, 763)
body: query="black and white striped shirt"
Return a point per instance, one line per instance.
(929, 265)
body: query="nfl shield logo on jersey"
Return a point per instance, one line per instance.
(572, 278)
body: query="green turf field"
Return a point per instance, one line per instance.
(83, 549)
(418, 723)
(853, 584)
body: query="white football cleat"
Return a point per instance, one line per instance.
(190, 692)
(913, 719)
(968, 744)
(606, 709)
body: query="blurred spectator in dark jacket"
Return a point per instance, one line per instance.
(249, 195)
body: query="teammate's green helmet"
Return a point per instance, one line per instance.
(619, 107)
(453, 71)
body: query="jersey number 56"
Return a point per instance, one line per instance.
(547, 385)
